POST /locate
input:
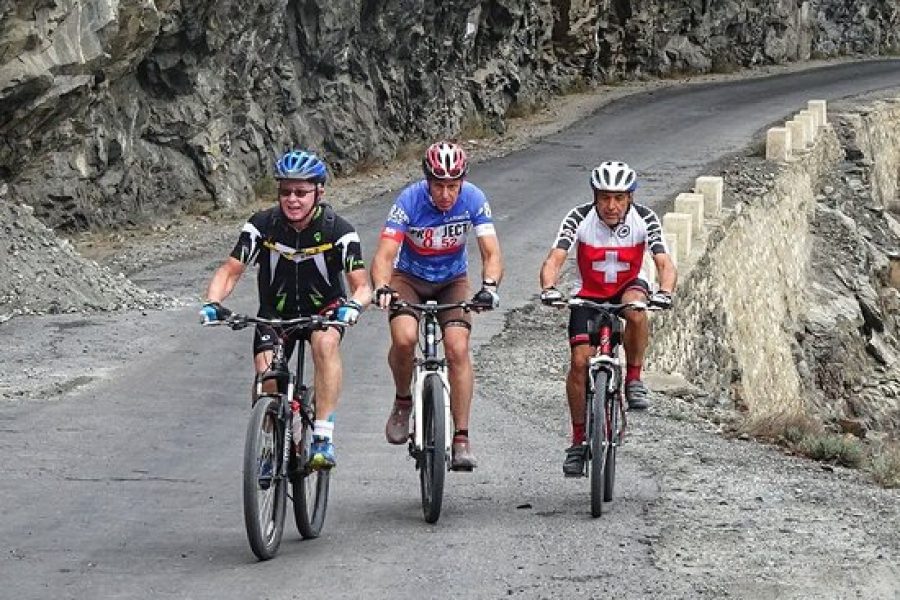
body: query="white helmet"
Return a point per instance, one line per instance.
(613, 177)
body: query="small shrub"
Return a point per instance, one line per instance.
(523, 108)
(885, 465)
(410, 151)
(576, 85)
(474, 127)
(845, 450)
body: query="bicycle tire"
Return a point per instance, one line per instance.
(609, 473)
(598, 443)
(310, 490)
(433, 461)
(264, 496)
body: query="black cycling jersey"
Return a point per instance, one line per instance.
(299, 271)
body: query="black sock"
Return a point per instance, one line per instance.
(461, 433)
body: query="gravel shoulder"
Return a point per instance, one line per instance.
(734, 518)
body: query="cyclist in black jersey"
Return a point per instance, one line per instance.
(302, 248)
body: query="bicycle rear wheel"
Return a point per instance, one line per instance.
(265, 489)
(599, 444)
(433, 460)
(310, 487)
(609, 473)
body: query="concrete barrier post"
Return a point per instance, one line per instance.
(649, 269)
(679, 224)
(809, 122)
(778, 144)
(818, 108)
(711, 188)
(798, 134)
(691, 204)
(672, 245)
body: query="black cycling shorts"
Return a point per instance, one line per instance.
(583, 328)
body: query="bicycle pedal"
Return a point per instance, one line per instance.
(465, 469)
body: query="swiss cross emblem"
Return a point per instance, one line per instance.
(610, 266)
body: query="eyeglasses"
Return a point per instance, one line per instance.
(300, 193)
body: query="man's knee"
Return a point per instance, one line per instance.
(581, 355)
(456, 344)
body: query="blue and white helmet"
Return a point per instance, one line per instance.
(299, 164)
(613, 177)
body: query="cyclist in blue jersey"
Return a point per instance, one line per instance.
(422, 256)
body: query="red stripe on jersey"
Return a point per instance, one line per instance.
(392, 234)
(605, 271)
(424, 250)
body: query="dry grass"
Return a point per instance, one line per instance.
(524, 108)
(885, 465)
(576, 85)
(807, 437)
(474, 127)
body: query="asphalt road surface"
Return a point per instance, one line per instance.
(129, 486)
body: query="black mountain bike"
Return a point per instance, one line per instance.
(432, 432)
(269, 462)
(604, 402)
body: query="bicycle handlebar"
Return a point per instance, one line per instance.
(436, 308)
(238, 321)
(610, 307)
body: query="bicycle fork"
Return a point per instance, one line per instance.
(612, 367)
(418, 413)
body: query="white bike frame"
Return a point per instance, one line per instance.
(420, 372)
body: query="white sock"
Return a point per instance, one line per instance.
(323, 429)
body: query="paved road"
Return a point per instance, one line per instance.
(129, 487)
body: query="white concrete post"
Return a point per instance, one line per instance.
(691, 204)
(798, 134)
(778, 144)
(711, 188)
(809, 121)
(649, 269)
(818, 108)
(672, 245)
(679, 224)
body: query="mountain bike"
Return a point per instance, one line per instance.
(432, 431)
(604, 399)
(270, 460)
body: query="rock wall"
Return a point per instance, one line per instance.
(115, 110)
(794, 308)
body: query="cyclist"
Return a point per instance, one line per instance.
(422, 256)
(301, 247)
(609, 235)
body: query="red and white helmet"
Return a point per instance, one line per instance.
(445, 160)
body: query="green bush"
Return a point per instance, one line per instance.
(844, 450)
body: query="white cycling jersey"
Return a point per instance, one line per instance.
(609, 258)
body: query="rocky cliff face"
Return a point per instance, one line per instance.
(113, 110)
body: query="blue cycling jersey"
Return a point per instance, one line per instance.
(433, 243)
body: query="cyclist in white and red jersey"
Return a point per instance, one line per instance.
(422, 256)
(610, 236)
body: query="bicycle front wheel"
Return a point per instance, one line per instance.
(265, 489)
(433, 460)
(609, 473)
(599, 445)
(310, 487)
